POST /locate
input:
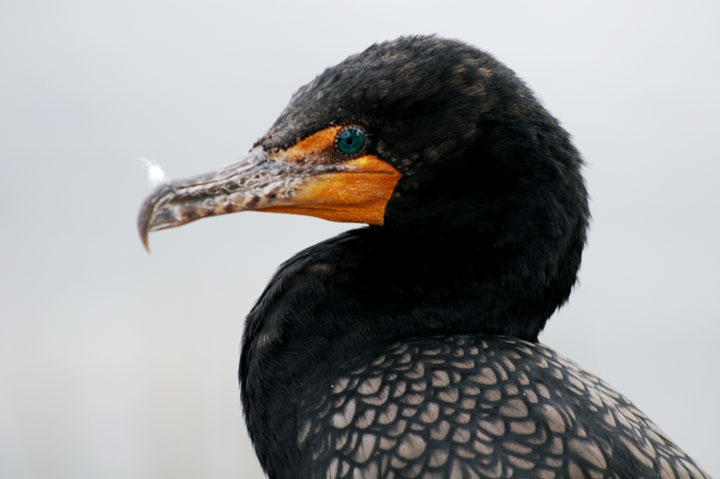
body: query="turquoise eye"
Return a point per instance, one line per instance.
(350, 140)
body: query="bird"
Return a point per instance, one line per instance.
(408, 348)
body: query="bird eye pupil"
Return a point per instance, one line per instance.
(350, 140)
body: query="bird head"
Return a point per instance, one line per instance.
(421, 135)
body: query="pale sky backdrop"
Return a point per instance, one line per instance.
(116, 364)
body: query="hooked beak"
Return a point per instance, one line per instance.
(299, 180)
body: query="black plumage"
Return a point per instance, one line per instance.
(408, 348)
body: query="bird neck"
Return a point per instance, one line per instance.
(374, 284)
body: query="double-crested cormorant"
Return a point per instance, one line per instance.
(409, 348)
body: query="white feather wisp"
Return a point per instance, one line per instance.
(156, 175)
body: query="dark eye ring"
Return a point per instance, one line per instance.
(350, 140)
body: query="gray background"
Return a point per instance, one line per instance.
(114, 363)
